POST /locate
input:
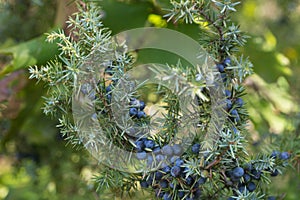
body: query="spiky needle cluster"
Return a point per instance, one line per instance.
(226, 170)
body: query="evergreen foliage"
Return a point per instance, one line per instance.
(224, 170)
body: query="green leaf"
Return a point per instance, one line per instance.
(32, 52)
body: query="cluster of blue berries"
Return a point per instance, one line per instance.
(231, 103)
(108, 90)
(246, 178)
(221, 67)
(280, 155)
(115, 67)
(137, 108)
(232, 106)
(156, 154)
(171, 181)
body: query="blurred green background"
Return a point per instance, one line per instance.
(36, 162)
